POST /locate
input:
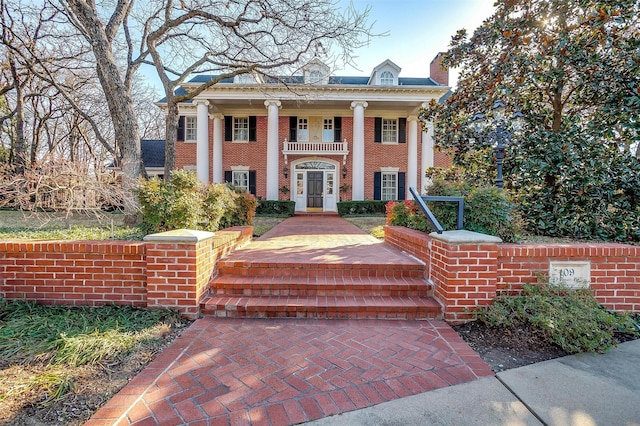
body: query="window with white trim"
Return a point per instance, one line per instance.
(389, 130)
(241, 179)
(389, 186)
(303, 130)
(190, 128)
(327, 130)
(240, 129)
(386, 78)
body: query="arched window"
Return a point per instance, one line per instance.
(315, 77)
(386, 78)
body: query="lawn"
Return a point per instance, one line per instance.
(60, 364)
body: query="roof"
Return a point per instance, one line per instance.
(346, 80)
(152, 152)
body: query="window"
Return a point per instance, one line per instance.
(240, 129)
(241, 179)
(386, 78)
(389, 186)
(315, 77)
(303, 130)
(190, 128)
(389, 130)
(327, 130)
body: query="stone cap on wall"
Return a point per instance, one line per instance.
(465, 237)
(180, 236)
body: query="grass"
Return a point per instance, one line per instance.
(62, 338)
(370, 224)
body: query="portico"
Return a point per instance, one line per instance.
(312, 142)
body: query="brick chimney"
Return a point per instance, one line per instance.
(439, 74)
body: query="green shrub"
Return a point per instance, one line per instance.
(276, 208)
(571, 319)
(487, 210)
(184, 202)
(366, 207)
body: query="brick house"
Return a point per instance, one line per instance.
(315, 140)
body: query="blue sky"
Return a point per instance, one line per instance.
(418, 30)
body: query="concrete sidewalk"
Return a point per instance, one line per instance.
(577, 390)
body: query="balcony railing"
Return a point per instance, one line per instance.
(315, 148)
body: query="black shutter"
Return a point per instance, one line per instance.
(228, 176)
(377, 131)
(252, 182)
(180, 128)
(377, 185)
(337, 129)
(293, 129)
(402, 130)
(252, 128)
(401, 184)
(228, 128)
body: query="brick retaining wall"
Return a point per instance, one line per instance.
(168, 270)
(469, 269)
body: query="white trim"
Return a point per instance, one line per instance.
(240, 168)
(389, 169)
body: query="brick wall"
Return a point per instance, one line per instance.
(254, 155)
(162, 272)
(470, 274)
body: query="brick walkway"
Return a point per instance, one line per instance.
(286, 371)
(280, 372)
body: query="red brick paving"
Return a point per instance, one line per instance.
(287, 371)
(281, 371)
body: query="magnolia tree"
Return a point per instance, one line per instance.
(571, 66)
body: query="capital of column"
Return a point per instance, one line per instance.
(217, 115)
(356, 104)
(269, 103)
(201, 102)
(412, 118)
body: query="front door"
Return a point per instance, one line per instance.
(314, 189)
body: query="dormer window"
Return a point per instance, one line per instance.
(386, 78)
(315, 72)
(315, 77)
(244, 79)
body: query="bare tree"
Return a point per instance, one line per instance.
(228, 38)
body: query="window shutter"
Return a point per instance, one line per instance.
(228, 176)
(377, 130)
(293, 129)
(228, 128)
(180, 129)
(377, 185)
(402, 130)
(252, 128)
(401, 186)
(337, 129)
(252, 182)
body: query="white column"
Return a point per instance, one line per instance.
(427, 154)
(412, 154)
(357, 178)
(218, 135)
(202, 140)
(273, 156)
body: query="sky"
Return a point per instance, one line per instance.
(417, 31)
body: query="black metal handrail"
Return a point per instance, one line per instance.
(422, 202)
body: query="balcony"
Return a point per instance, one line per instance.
(315, 148)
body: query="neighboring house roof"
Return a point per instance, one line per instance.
(152, 152)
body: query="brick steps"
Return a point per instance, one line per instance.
(320, 270)
(251, 288)
(231, 285)
(355, 307)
